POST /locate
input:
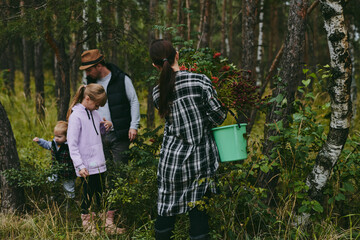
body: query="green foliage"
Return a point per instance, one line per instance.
(134, 186)
(238, 211)
(235, 88)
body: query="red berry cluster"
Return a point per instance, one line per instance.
(236, 89)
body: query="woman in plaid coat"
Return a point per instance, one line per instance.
(189, 156)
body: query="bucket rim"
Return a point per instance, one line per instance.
(228, 126)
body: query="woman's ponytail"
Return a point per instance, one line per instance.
(163, 55)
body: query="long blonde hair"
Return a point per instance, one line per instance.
(95, 91)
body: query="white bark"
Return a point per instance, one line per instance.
(260, 42)
(98, 20)
(321, 173)
(353, 82)
(339, 90)
(85, 45)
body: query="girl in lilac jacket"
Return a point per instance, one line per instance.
(86, 150)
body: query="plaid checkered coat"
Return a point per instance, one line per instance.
(188, 155)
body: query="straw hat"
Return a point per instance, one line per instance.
(89, 58)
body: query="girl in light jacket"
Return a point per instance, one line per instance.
(86, 150)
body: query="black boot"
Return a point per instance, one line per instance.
(201, 237)
(166, 234)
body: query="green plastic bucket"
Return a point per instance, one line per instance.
(231, 142)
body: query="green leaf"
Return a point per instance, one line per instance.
(306, 82)
(298, 116)
(317, 207)
(265, 168)
(349, 187)
(313, 75)
(340, 197)
(305, 71)
(303, 209)
(279, 98)
(310, 95)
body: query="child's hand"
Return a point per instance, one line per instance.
(84, 173)
(107, 124)
(36, 139)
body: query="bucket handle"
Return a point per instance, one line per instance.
(237, 119)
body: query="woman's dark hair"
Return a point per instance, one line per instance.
(162, 54)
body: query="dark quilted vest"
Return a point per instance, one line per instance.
(118, 103)
(62, 157)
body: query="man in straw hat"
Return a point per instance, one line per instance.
(121, 108)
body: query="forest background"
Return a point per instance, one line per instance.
(301, 177)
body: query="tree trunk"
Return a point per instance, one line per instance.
(26, 70)
(57, 77)
(248, 45)
(290, 75)
(63, 81)
(9, 50)
(352, 40)
(339, 91)
(188, 20)
(74, 66)
(206, 30)
(12, 198)
(201, 21)
(92, 18)
(223, 28)
(169, 8)
(248, 34)
(127, 29)
(10, 80)
(231, 30)
(39, 81)
(258, 68)
(25, 63)
(150, 112)
(180, 18)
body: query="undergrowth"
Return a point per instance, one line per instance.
(238, 212)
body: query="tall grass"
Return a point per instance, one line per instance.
(48, 219)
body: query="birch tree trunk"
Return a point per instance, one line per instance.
(260, 47)
(12, 198)
(353, 81)
(290, 76)
(339, 91)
